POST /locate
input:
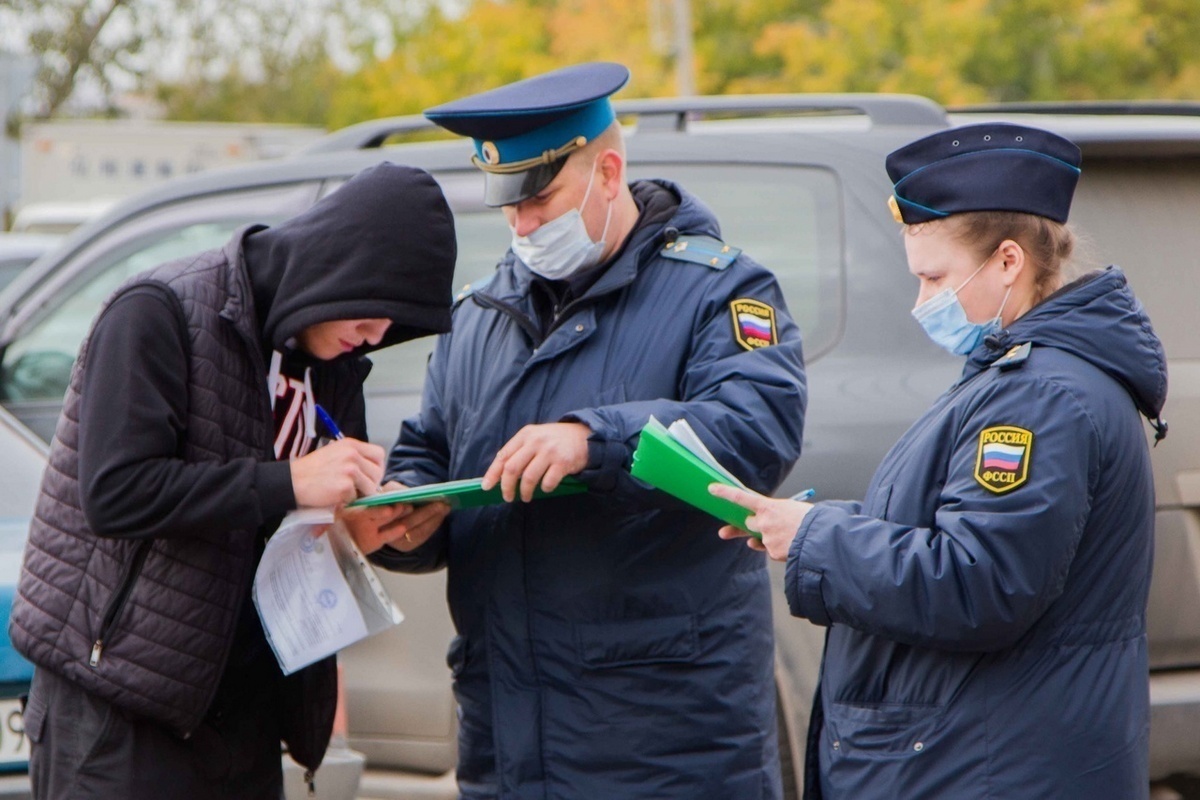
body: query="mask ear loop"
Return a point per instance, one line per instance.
(607, 219)
(591, 180)
(999, 318)
(588, 193)
(973, 274)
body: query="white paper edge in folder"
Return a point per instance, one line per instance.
(683, 433)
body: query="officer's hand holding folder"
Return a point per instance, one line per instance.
(677, 462)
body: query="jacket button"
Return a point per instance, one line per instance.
(837, 745)
(919, 746)
(579, 329)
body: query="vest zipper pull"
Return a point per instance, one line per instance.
(97, 648)
(312, 785)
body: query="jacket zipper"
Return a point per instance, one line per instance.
(117, 603)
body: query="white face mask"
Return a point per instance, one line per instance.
(562, 246)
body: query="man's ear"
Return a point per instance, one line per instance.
(612, 170)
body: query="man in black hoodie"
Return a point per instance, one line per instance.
(187, 431)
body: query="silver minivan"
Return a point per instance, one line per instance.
(798, 182)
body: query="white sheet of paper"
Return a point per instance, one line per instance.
(685, 434)
(307, 608)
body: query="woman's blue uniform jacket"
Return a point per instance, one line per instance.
(611, 645)
(986, 602)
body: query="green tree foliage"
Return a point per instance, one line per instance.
(299, 89)
(964, 51)
(258, 62)
(81, 41)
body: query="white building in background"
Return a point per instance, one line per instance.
(16, 76)
(72, 170)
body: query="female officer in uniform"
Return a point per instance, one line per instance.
(986, 601)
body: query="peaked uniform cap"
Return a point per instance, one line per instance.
(988, 167)
(523, 132)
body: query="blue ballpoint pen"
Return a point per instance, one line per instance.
(805, 496)
(328, 422)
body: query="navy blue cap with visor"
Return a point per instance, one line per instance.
(524, 132)
(987, 167)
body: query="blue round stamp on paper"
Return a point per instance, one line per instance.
(327, 598)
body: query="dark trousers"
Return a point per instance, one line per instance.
(84, 748)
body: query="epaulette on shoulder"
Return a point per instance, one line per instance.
(1015, 357)
(712, 253)
(471, 288)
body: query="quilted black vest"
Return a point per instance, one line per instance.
(165, 609)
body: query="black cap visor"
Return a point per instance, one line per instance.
(509, 189)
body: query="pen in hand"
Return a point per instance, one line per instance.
(328, 422)
(805, 496)
(337, 434)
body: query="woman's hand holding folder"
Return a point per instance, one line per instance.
(777, 520)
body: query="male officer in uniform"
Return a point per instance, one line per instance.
(609, 646)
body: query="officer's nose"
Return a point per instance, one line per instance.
(522, 221)
(924, 293)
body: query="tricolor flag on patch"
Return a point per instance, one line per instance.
(1002, 461)
(1002, 456)
(754, 327)
(753, 323)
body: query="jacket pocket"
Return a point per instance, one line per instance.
(116, 602)
(36, 710)
(653, 640)
(883, 729)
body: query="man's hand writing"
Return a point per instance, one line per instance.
(337, 473)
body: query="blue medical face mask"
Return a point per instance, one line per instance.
(945, 320)
(562, 246)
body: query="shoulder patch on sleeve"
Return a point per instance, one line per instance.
(706, 250)
(471, 288)
(1015, 357)
(753, 323)
(1002, 458)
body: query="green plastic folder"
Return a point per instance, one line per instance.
(665, 464)
(467, 493)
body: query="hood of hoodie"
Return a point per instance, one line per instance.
(1098, 319)
(380, 247)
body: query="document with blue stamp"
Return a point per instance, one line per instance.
(315, 592)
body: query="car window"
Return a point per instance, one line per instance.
(10, 268)
(1140, 214)
(37, 363)
(786, 218)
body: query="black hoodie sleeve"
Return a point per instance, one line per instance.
(132, 417)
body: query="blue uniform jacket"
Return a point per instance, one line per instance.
(611, 645)
(986, 602)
